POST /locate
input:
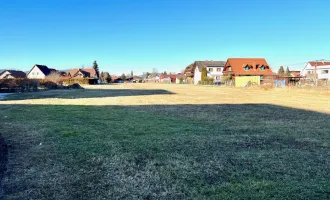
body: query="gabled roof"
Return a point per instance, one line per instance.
(88, 72)
(315, 64)
(202, 64)
(254, 64)
(44, 69)
(15, 73)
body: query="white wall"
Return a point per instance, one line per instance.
(197, 76)
(319, 70)
(215, 73)
(36, 73)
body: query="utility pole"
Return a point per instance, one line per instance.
(315, 73)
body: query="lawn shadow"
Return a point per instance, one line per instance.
(221, 151)
(85, 93)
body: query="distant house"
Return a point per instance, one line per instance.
(39, 72)
(118, 80)
(83, 73)
(322, 69)
(246, 70)
(179, 78)
(164, 78)
(214, 70)
(12, 74)
(153, 78)
(295, 73)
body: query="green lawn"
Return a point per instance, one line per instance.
(166, 152)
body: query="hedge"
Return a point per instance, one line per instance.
(82, 81)
(18, 85)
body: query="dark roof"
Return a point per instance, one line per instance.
(44, 69)
(202, 64)
(15, 73)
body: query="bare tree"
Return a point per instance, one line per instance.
(54, 77)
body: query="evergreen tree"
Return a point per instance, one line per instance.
(96, 67)
(165, 73)
(281, 71)
(102, 77)
(123, 76)
(107, 77)
(204, 74)
(287, 71)
(132, 74)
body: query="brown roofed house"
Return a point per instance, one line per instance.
(247, 67)
(83, 73)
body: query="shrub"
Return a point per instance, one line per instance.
(18, 85)
(82, 81)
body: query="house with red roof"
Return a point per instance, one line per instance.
(83, 73)
(256, 69)
(322, 70)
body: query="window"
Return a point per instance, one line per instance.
(210, 69)
(262, 68)
(229, 68)
(310, 72)
(37, 73)
(246, 68)
(218, 69)
(325, 72)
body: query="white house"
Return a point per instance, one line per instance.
(12, 74)
(321, 68)
(214, 70)
(39, 72)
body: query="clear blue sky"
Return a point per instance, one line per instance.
(138, 35)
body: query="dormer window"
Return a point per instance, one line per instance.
(262, 68)
(246, 68)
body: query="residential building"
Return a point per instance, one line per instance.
(245, 70)
(12, 74)
(39, 72)
(214, 70)
(322, 69)
(83, 73)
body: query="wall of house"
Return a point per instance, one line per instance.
(215, 74)
(319, 70)
(242, 81)
(4, 74)
(36, 73)
(197, 76)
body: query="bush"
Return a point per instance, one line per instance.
(81, 81)
(18, 85)
(48, 84)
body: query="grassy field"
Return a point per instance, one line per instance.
(140, 141)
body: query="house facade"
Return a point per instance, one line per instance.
(248, 70)
(322, 70)
(12, 74)
(39, 72)
(214, 70)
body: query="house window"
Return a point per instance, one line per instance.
(210, 69)
(262, 68)
(37, 73)
(325, 72)
(218, 69)
(229, 68)
(246, 68)
(309, 72)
